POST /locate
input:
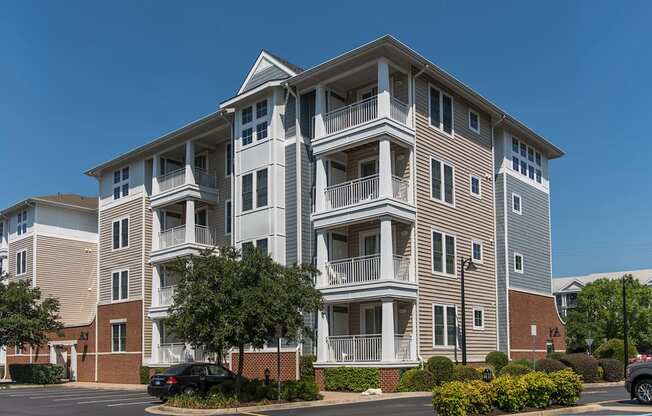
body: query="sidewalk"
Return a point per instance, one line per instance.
(78, 384)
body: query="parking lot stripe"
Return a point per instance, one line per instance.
(112, 400)
(129, 404)
(69, 394)
(105, 395)
(46, 395)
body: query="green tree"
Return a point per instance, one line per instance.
(228, 301)
(24, 318)
(599, 314)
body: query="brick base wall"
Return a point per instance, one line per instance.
(389, 378)
(120, 367)
(319, 379)
(255, 364)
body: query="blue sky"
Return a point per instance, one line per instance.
(81, 82)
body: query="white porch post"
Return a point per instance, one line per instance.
(156, 341)
(319, 111)
(190, 160)
(190, 220)
(322, 336)
(156, 229)
(322, 258)
(320, 185)
(156, 285)
(412, 273)
(53, 354)
(388, 330)
(413, 344)
(73, 363)
(386, 250)
(383, 88)
(385, 168)
(156, 170)
(413, 177)
(410, 100)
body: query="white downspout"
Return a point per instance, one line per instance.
(493, 167)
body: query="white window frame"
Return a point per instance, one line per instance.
(522, 270)
(529, 164)
(446, 345)
(479, 194)
(520, 204)
(367, 160)
(481, 310)
(478, 242)
(121, 348)
(120, 184)
(18, 350)
(254, 243)
(255, 121)
(362, 235)
(19, 262)
(478, 117)
(228, 206)
(443, 182)
(21, 223)
(440, 128)
(254, 190)
(120, 298)
(444, 234)
(119, 220)
(267, 194)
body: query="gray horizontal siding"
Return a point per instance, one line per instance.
(268, 74)
(500, 264)
(290, 204)
(307, 231)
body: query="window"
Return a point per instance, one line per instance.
(119, 337)
(538, 157)
(474, 121)
(21, 262)
(121, 183)
(523, 167)
(515, 163)
(518, 263)
(538, 175)
(261, 245)
(229, 159)
(514, 145)
(18, 350)
(21, 223)
(530, 171)
(261, 109)
(523, 149)
(441, 181)
(120, 285)
(247, 115)
(247, 192)
(260, 127)
(476, 251)
(121, 233)
(261, 131)
(441, 111)
(444, 326)
(247, 136)
(476, 186)
(523, 158)
(517, 207)
(227, 216)
(261, 188)
(443, 253)
(247, 247)
(478, 318)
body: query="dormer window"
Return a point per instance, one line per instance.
(524, 159)
(121, 183)
(21, 223)
(254, 127)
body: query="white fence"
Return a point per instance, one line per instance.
(352, 192)
(398, 111)
(172, 237)
(402, 268)
(351, 115)
(400, 188)
(354, 348)
(176, 353)
(205, 235)
(205, 178)
(171, 179)
(353, 270)
(403, 347)
(166, 295)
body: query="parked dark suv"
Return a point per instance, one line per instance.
(187, 378)
(639, 381)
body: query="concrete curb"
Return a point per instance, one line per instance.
(90, 386)
(606, 384)
(570, 410)
(175, 411)
(8, 386)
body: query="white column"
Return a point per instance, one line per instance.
(73, 363)
(413, 178)
(320, 185)
(53, 354)
(322, 335)
(156, 229)
(156, 285)
(385, 168)
(413, 254)
(386, 250)
(383, 88)
(156, 341)
(413, 345)
(410, 99)
(319, 111)
(156, 170)
(388, 330)
(190, 220)
(322, 258)
(190, 160)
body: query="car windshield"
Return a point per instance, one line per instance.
(176, 370)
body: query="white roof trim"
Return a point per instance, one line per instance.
(252, 71)
(250, 93)
(571, 284)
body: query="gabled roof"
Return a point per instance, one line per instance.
(65, 200)
(574, 283)
(268, 67)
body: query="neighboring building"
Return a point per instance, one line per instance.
(51, 241)
(566, 289)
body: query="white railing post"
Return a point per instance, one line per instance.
(156, 228)
(386, 250)
(411, 188)
(383, 88)
(156, 284)
(385, 168)
(156, 171)
(413, 335)
(322, 258)
(320, 184)
(190, 161)
(388, 330)
(320, 110)
(323, 347)
(410, 101)
(190, 221)
(413, 265)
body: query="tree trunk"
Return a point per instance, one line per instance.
(238, 382)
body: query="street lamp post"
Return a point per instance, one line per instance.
(467, 264)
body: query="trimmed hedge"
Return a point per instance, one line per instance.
(568, 387)
(511, 393)
(614, 348)
(466, 373)
(612, 370)
(584, 365)
(497, 359)
(539, 389)
(355, 379)
(441, 369)
(36, 373)
(555, 355)
(306, 369)
(548, 365)
(526, 363)
(210, 401)
(254, 391)
(144, 373)
(515, 370)
(416, 380)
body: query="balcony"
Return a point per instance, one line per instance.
(166, 296)
(364, 269)
(177, 242)
(363, 190)
(366, 348)
(178, 353)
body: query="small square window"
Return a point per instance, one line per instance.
(476, 186)
(476, 251)
(518, 263)
(523, 150)
(247, 136)
(261, 109)
(474, 121)
(530, 154)
(524, 167)
(538, 158)
(514, 145)
(539, 175)
(516, 204)
(261, 131)
(530, 171)
(515, 163)
(247, 115)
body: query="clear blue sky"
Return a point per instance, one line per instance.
(81, 83)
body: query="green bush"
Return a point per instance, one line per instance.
(482, 397)
(441, 369)
(300, 390)
(416, 380)
(614, 348)
(497, 359)
(612, 370)
(210, 401)
(451, 399)
(355, 379)
(466, 373)
(145, 373)
(511, 393)
(555, 355)
(527, 363)
(306, 369)
(36, 373)
(540, 389)
(548, 365)
(568, 387)
(515, 370)
(584, 365)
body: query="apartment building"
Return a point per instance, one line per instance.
(51, 242)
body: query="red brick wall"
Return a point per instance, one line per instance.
(319, 379)
(255, 364)
(527, 309)
(389, 378)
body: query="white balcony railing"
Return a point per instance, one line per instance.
(402, 268)
(171, 179)
(398, 111)
(354, 348)
(353, 270)
(400, 188)
(174, 353)
(403, 347)
(352, 192)
(352, 115)
(166, 295)
(205, 235)
(205, 178)
(172, 237)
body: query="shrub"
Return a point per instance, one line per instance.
(612, 369)
(416, 380)
(539, 389)
(568, 387)
(555, 355)
(515, 370)
(482, 397)
(441, 369)
(465, 373)
(614, 348)
(211, 401)
(299, 390)
(36, 373)
(582, 364)
(497, 359)
(511, 393)
(145, 373)
(527, 363)
(353, 379)
(451, 399)
(306, 369)
(548, 365)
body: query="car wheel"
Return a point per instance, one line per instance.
(643, 391)
(189, 390)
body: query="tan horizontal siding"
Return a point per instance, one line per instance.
(16, 246)
(147, 282)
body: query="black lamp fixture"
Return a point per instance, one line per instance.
(466, 265)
